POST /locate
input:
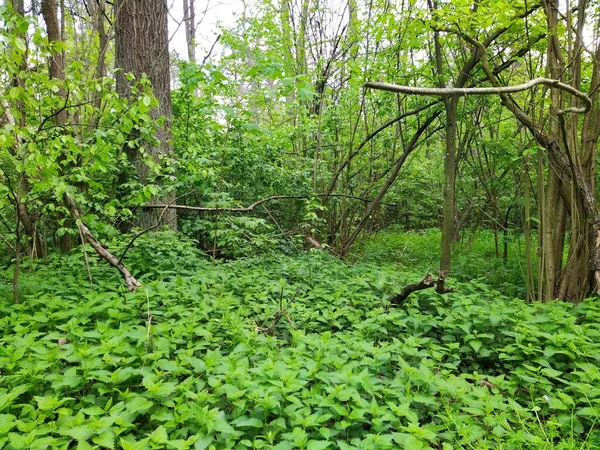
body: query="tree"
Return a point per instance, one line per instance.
(189, 16)
(141, 36)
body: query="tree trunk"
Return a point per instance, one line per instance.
(451, 105)
(57, 72)
(142, 48)
(189, 16)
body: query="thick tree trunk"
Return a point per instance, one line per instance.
(142, 48)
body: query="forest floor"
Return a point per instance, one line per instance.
(294, 351)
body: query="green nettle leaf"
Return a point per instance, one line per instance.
(203, 442)
(244, 421)
(476, 344)
(7, 422)
(159, 436)
(221, 425)
(80, 433)
(105, 439)
(551, 372)
(138, 405)
(17, 440)
(317, 445)
(135, 445)
(49, 402)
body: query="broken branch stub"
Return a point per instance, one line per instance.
(427, 282)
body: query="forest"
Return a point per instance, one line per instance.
(304, 224)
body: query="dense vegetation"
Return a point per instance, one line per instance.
(225, 252)
(196, 359)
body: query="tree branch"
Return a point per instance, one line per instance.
(492, 90)
(425, 283)
(253, 206)
(130, 281)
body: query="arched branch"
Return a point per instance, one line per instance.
(492, 90)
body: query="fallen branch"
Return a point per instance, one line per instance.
(130, 281)
(428, 282)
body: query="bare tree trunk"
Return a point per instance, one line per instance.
(189, 16)
(451, 105)
(142, 48)
(529, 279)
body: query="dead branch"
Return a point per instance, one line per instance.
(253, 206)
(428, 282)
(130, 281)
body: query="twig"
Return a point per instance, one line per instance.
(85, 255)
(130, 281)
(153, 227)
(208, 55)
(148, 322)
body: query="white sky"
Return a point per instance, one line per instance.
(224, 12)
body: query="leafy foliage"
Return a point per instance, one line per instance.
(194, 360)
(474, 259)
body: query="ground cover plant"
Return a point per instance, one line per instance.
(475, 257)
(317, 224)
(196, 359)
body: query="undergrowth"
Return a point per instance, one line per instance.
(198, 359)
(473, 259)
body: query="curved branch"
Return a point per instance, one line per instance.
(492, 90)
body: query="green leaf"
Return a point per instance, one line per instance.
(317, 445)
(203, 443)
(159, 435)
(245, 421)
(551, 372)
(105, 439)
(476, 344)
(80, 433)
(20, 44)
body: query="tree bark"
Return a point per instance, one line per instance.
(35, 249)
(189, 16)
(142, 48)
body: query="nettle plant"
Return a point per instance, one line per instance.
(66, 135)
(196, 360)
